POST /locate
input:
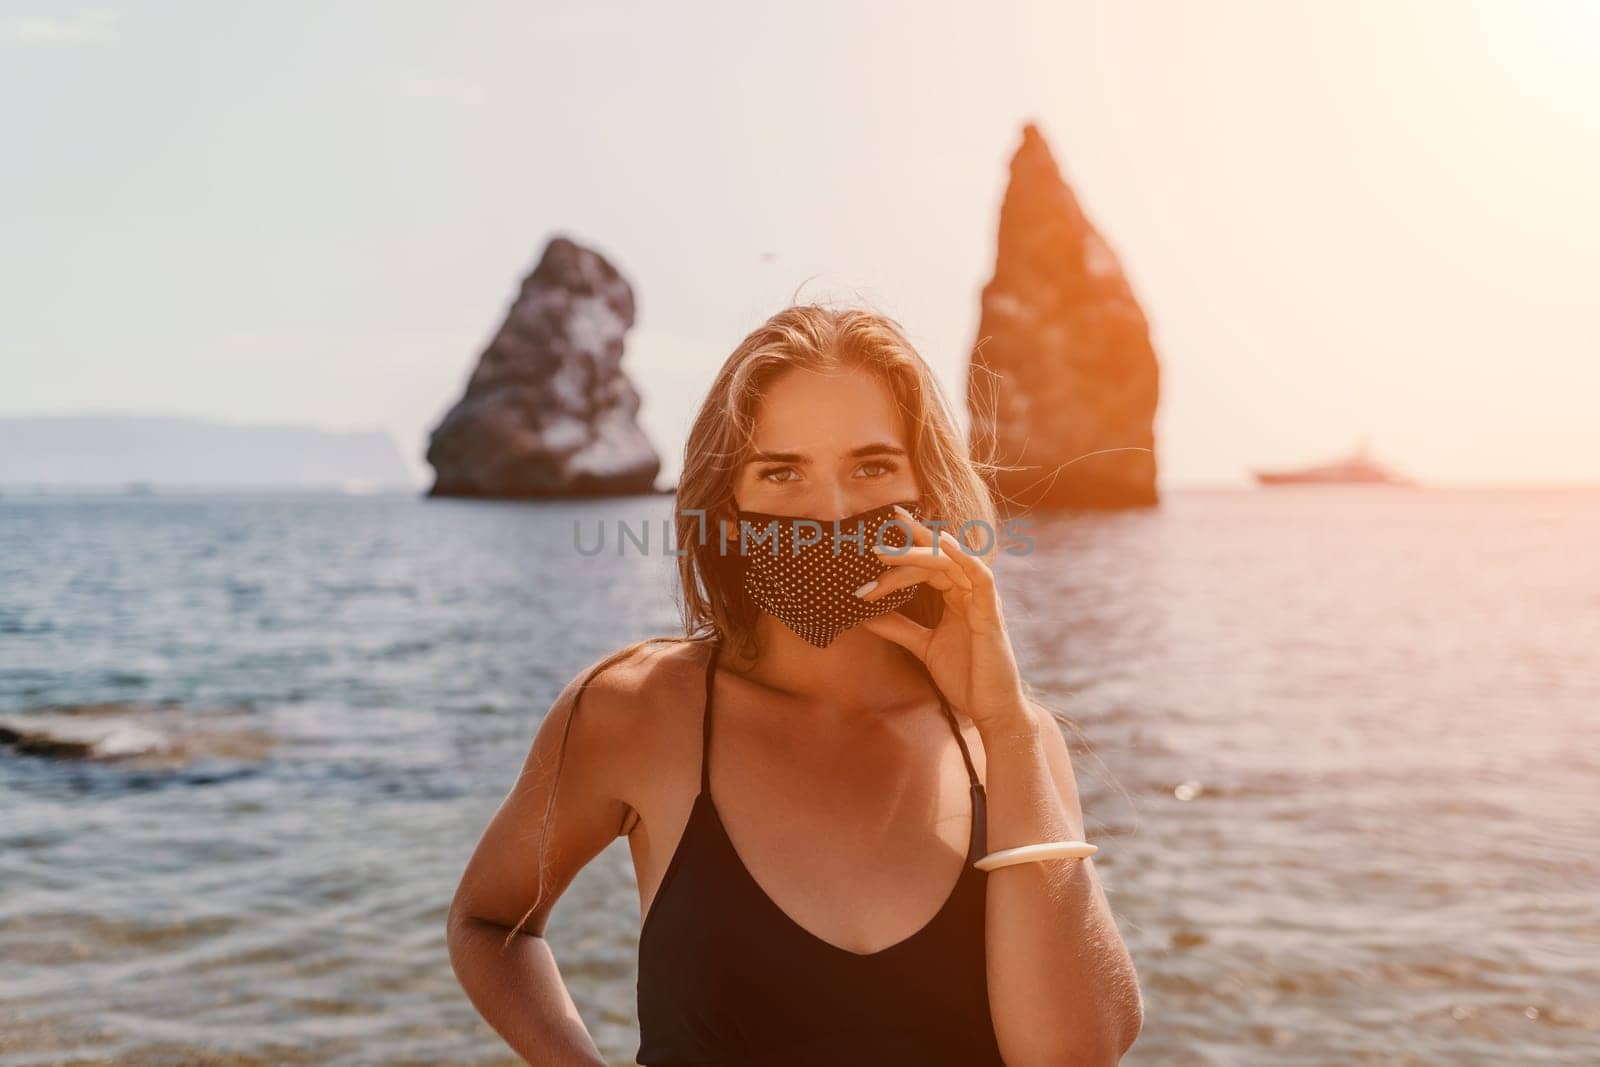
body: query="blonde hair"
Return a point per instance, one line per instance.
(818, 338)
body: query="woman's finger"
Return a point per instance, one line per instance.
(943, 544)
(920, 534)
(899, 578)
(978, 574)
(903, 631)
(927, 557)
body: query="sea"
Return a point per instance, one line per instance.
(1339, 747)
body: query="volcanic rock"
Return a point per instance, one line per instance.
(1064, 366)
(549, 412)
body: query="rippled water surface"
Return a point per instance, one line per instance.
(1343, 762)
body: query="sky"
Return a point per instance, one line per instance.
(1348, 219)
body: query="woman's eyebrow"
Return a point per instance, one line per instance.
(876, 448)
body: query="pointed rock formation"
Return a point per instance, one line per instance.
(1063, 366)
(549, 412)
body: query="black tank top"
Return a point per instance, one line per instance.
(726, 977)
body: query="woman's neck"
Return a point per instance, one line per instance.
(858, 673)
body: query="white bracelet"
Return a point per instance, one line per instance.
(1047, 850)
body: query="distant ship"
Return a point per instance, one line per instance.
(1358, 468)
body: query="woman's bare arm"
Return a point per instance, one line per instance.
(518, 988)
(521, 993)
(1061, 982)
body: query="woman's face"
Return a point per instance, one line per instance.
(826, 446)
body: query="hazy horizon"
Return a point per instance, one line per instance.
(1369, 219)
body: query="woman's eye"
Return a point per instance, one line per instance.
(885, 468)
(767, 474)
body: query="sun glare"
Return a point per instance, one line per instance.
(1550, 51)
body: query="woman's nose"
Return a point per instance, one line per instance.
(839, 506)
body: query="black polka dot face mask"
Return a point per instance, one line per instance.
(791, 569)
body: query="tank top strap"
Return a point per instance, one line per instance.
(978, 839)
(705, 717)
(955, 728)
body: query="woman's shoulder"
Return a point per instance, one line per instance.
(629, 693)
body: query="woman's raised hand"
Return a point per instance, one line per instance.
(969, 652)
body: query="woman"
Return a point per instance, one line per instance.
(869, 746)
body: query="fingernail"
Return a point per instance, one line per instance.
(869, 587)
